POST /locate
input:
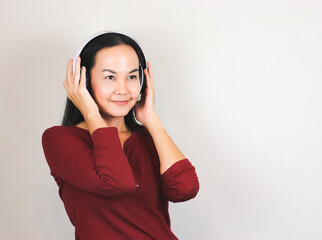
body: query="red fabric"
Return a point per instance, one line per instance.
(111, 193)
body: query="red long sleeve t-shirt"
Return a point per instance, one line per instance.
(115, 193)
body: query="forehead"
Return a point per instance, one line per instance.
(117, 57)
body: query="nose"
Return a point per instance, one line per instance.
(121, 87)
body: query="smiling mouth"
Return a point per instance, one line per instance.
(121, 102)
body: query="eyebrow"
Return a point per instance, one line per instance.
(110, 70)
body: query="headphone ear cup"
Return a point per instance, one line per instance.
(142, 80)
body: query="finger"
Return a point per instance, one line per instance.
(65, 84)
(69, 72)
(77, 71)
(83, 77)
(66, 88)
(150, 69)
(150, 75)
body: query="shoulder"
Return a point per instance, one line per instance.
(146, 137)
(52, 130)
(58, 130)
(143, 131)
(66, 129)
(62, 132)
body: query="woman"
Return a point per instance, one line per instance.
(115, 176)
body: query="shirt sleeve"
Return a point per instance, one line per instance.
(180, 182)
(101, 169)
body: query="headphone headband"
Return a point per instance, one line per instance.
(83, 45)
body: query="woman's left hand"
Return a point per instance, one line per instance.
(145, 108)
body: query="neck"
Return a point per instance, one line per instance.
(119, 123)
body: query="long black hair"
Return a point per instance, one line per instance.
(72, 115)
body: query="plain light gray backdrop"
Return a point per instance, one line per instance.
(238, 88)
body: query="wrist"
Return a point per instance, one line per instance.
(154, 124)
(94, 121)
(92, 115)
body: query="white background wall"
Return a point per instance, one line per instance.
(238, 88)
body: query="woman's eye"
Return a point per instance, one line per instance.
(133, 77)
(109, 77)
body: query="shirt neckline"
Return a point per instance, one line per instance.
(131, 136)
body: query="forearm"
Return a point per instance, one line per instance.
(94, 121)
(167, 150)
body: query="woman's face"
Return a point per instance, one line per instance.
(115, 80)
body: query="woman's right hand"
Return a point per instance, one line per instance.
(76, 89)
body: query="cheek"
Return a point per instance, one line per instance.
(101, 91)
(135, 88)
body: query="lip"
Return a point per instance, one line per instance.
(121, 102)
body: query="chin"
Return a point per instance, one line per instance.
(116, 113)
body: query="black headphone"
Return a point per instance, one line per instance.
(141, 70)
